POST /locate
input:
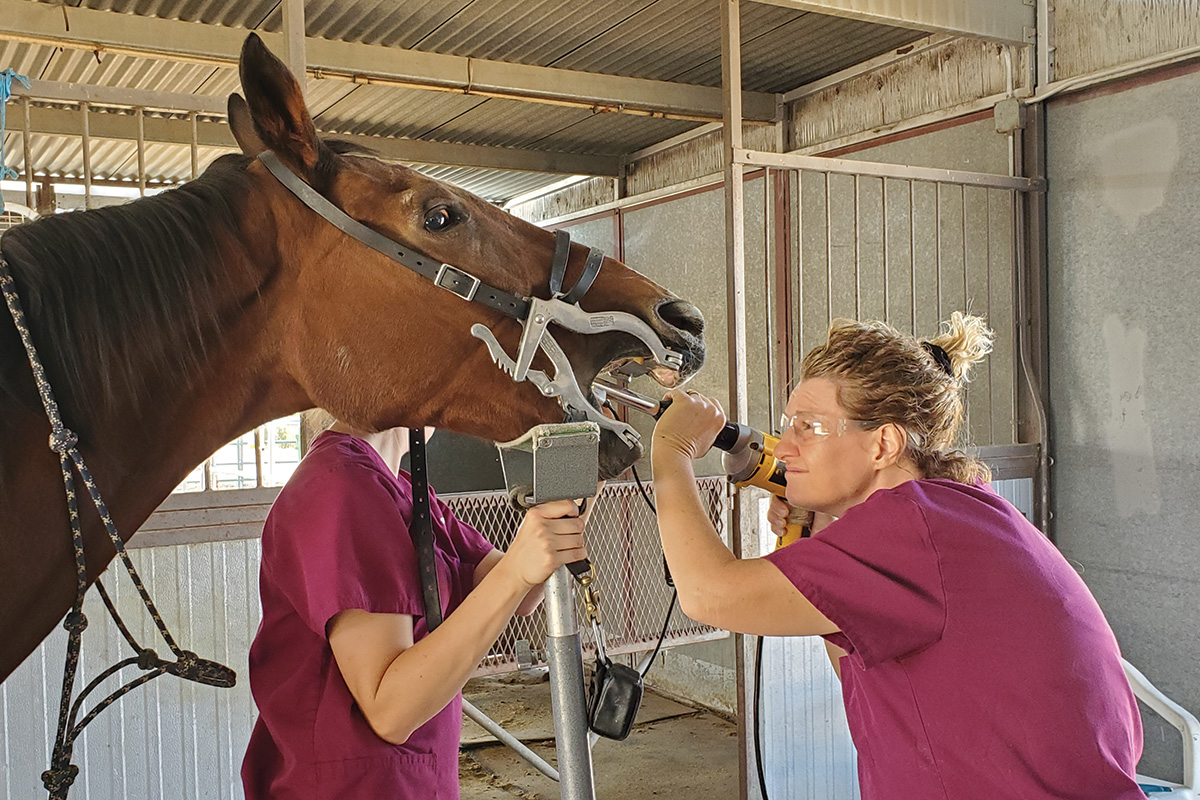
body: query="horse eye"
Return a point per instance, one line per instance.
(439, 219)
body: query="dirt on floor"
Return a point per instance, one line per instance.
(674, 750)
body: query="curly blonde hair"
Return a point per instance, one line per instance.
(886, 376)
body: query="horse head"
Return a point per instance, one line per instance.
(379, 345)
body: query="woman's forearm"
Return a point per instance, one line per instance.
(694, 550)
(441, 663)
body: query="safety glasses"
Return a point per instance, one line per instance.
(809, 427)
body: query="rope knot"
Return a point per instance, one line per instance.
(75, 622)
(58, 780)
(63, 440)
(192, 667)
(148, 659)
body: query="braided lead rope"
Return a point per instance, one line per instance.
(189, 666)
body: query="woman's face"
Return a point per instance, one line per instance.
(830, 458)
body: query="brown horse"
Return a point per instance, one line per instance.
(171, 325)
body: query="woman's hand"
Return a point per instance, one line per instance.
(550, 535)
(780, 513)
(689, 425)
(777, 516)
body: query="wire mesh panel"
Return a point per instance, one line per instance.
(623, 546)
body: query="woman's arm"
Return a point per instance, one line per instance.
(529, 602)
(380, 663)
(715, 587)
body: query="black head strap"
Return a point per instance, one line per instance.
(447, 276)
(558, 269)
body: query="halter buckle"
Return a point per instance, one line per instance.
(453, 279)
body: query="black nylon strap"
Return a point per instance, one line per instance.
(446, 276)
(558, 269)
(422, 529)
(590, 270)
(558, 266)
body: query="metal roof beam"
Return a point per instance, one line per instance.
(62, 91)
(996, 20)
(149, 37)
(60, 122)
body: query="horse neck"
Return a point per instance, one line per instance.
(241, 384)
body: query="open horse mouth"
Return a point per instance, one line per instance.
(681, 327)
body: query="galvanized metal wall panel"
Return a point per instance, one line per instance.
(910, 253)
(1019, 492)
(1124, 288)
(807, 751)
(168, 739)
(951, 75)
(1092, 35)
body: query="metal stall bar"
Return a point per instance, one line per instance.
(141, 151)
(27, 154)
(912, 254)
(735, 289)
(87, 156)
(842, 166)
(195, 145)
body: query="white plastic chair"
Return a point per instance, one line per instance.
(1185, 723)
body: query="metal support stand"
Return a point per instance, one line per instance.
(560, 462)
(564, 652)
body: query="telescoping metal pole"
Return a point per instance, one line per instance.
(560, 462)
(564, 653)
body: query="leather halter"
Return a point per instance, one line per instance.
(446, 276)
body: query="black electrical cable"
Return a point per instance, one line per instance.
(756, 720)
(758, 653)
(674, 592)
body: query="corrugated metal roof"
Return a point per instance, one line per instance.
(675, 40)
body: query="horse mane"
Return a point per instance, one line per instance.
(125, 297)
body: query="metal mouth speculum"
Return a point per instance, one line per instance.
(563, 386)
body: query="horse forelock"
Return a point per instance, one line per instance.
(128, 298)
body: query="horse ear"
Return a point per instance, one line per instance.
(276, 106)
(242, 126)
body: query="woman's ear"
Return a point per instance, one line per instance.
(893, 441)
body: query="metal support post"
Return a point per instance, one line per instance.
(87, 156)
(735, 235)
(27, 153)
(195, 146)
(141, 151)
(564, 653)
(293, 39)
(548, 463)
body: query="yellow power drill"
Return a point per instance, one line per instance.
(749, 453)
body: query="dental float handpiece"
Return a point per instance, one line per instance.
(733, 438)
(749, 456)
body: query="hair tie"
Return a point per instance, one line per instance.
(940, 356)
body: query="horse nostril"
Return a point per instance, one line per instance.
(682, 315)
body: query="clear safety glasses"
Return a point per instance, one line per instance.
(810, 427)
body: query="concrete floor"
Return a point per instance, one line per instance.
(674, 750)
